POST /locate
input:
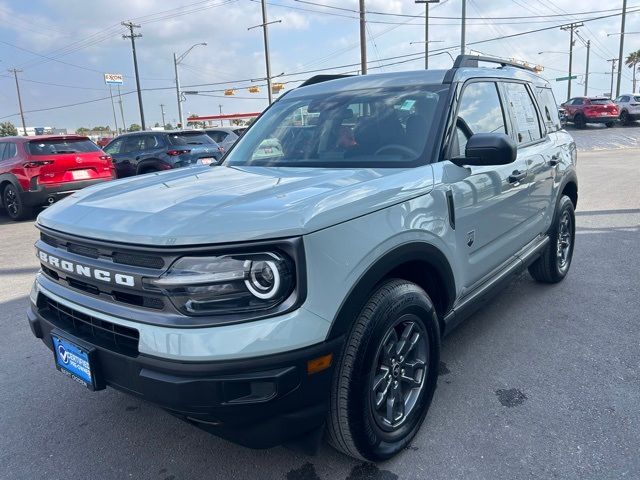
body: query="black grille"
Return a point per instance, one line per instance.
(122, 257)
(99, 332)
(138, 260)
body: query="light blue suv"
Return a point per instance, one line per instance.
(303, 287)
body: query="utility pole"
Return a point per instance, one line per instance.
(267, 58)
(162, 111)
(426, 30)
(124, 124)
(113, 107)
(15, 72)
(221, 121)
(176, 60)
(571, 27)
(613, 69)
(586, 75)
(363, 40)
(463, 33)
(621, 51)
(133, 36)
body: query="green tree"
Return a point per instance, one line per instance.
(83, 131)
(101, 129)
(168, 126)
(156, 125)
(8, 129)
(134, 127)
(632, 61)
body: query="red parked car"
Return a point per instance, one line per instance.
(103, 141)
(583, 110)
(37, 171)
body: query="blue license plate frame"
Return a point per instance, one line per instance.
(75, 359)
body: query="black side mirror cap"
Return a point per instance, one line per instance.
(488, 149)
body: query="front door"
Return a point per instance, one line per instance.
(490, 202)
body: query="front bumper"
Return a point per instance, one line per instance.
(45, 194)
(256, 402)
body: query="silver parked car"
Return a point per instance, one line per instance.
(225, 136)
(304, 286)
(629, 104)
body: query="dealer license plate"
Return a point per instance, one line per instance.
(73, 360)
(80, 174)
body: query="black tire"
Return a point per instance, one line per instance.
(552, 266)
(610, 124)
(13, 204)
(580, 122)
(354, 425)
(624, 118)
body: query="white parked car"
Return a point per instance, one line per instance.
(629, 104)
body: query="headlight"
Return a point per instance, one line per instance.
(227, 284)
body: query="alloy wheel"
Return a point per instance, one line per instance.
(401, 370)
(11, 202)
(564, 241)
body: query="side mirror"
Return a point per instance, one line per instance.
(488, 149)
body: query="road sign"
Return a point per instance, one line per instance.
(564, 79)
(113, 79)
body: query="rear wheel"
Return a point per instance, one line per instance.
(579, 121)
(13, 204)
(624, 118)
(610, 124)
(553, 265)
(387, 375)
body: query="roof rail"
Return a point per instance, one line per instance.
(472, 61)
(322, 78)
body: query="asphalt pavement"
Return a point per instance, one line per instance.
(544, 382)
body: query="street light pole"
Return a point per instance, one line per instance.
(621, 51)
(176, 60)
(113, 107)
(162, 111)
(363, 40)
(15, 74)
(124, 124)
(463, 32)
(133, 36)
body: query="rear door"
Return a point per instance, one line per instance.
(536, 150)
(490, 202)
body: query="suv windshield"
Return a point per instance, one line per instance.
(189, 138)
(60, 146)
(382, 127)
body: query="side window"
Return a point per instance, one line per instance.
(624, 99)
(2, 147)
(549, 109)
(480, 111)
(134, 143)
(10, 151)
(114, 147)
(578, 101)
(524, 113)
(152, 142)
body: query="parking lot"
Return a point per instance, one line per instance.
(541, 383)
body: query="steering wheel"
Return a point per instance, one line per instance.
(403, 150)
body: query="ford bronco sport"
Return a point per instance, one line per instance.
(304, 290)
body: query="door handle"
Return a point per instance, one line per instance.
(516, 176)
(555, 160)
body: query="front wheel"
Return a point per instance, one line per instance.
(385, 380)
(13, 204)
(624, 118)
(553, 265)
(580, 122)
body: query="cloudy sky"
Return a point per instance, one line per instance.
(64, 47)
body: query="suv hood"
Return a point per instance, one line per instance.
(206, 205)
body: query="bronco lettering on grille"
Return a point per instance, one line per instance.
(86, 271)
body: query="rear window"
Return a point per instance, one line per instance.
(60, 146)
(601, 101)
(189, 138)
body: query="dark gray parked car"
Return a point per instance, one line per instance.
(145, 152)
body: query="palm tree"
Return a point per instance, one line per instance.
(632, 61)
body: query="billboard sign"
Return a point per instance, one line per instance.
(113, 79)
